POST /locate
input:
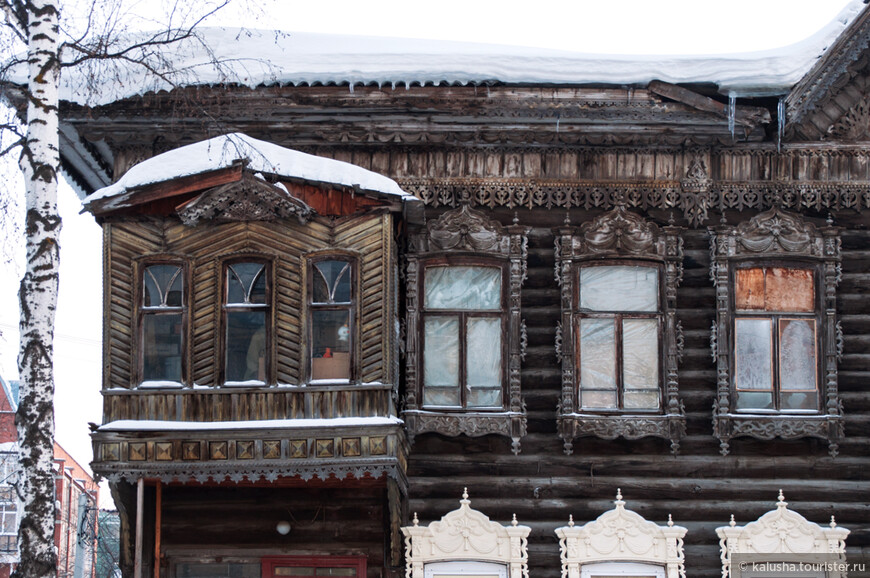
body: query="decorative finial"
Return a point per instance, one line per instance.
(670, 521)
(732, 523)
(781, 498)
(571, 521)
(514, 521)
(671, 219)
(830, 220)
(618, 494)
(516, 218)
(722, 219)
(567, 217)
(415, 521)
(833, 523)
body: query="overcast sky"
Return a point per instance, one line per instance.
(593, 26)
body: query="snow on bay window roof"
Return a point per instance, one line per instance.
(215, 56)
(259, 157)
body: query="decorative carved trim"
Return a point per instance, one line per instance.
(620, 234)
(662, 195)
(775, 234)
(781, 531)
(625, 536)
(854, 125)
(466, 535)
(249, 199)
(466, 231)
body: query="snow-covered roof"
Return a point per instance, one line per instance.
(264, 157)
(157, 425)
(258, 57)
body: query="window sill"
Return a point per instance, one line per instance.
(629, 426)
(788, 426)
(472, 423)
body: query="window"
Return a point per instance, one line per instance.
(613, 569)
(331, 319)
(775, 338)
(619, 340)
(246, 319)
(463, 319)
(326, 566)
(775, 334)
(617, 323)
(8, 502)
(162, 323)
(464, 332)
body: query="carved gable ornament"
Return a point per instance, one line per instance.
(619, 231)
(621, 535)
(781, 532)
(466, 535)
(249, 199)
(465, 229)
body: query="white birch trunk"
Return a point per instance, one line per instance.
(38, 297)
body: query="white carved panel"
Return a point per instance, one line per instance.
(780, 531)
(621, 535)
(469, 536)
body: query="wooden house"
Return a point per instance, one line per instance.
(553, 285)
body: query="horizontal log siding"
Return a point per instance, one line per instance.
(204, 248)
(699, 487)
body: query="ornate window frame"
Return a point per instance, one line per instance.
(783, 238)
(142, 264)
(781, 531)
(621, 535)
(620, 235)
(466, 535)
(468, 236)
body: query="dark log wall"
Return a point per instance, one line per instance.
(699, 487)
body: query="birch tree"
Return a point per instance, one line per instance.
(96, 34)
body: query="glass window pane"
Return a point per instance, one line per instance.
(441, 361)
(621, 288)
(795, 400)
(293, 571)
(246, 346)
(163, 286)
(597, 360)
(246, 283)
(161, 347)
(640, 353)
(332, 282)
(797, 350)
(483, 361)
(469, 288)
(330, 344)
(640, 399)
(750, 289)
(341, 571)
(789, 290)
(218, 570)
(752, 354)
(598, 399)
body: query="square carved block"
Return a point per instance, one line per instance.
(245, 450)
(138, 452)
(351, 447)
(111, 452)
(217, 450)
(324, 448)
(378, 446)
(163, 451)
(190, 451)
(272, 450)
(298, 449)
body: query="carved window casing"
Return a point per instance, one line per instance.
(162, 324)
(619, 340)
(332, 300)
(247, 321)
(466, 542)
(464, 274)
(775, 337)
(622, 543)
(783, 535)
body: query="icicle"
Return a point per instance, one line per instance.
(780, 122)
(732, 112)
(558, 118)
(350, 85)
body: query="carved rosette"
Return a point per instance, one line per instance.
(775, 235)
(466, 535)
(249, 199)
(625, 536)
(467, 232)
(781, 531)
(620, 234)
